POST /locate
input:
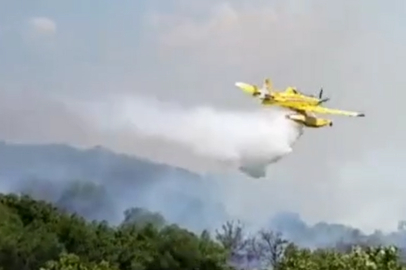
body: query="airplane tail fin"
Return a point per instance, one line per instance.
(268, 85)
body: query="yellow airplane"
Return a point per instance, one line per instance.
(271, 97)
(291, 98)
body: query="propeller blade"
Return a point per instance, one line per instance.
(323, 100)
(321, 93)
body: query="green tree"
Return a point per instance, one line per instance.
(73, 262)
(25, 241)
(142, 217)
(373, 258)
(36, 232)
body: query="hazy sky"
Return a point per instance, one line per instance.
(54, 53)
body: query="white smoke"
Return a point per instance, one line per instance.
(248, 140)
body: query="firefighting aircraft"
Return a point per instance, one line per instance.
(304, 105)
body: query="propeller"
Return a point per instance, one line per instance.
(321, 96)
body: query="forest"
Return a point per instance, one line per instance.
(36, 234)
(67, 208)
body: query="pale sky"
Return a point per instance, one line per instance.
(191, 53)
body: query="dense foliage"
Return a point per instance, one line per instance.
(37, 235)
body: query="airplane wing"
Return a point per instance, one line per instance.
(323, 110)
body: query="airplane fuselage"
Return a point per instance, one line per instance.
(289, 102)
(289, 98)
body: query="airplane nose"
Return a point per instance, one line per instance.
(331, 124)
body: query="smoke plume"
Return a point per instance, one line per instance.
(248, 140)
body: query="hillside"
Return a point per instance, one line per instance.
(99, 184)
(37, 235)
